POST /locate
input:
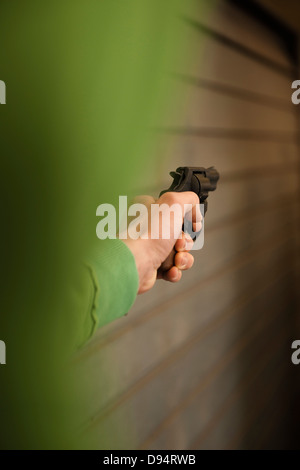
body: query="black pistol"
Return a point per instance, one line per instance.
(199, 180)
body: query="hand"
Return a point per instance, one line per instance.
(150, 253)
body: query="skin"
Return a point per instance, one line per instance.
(150, 254)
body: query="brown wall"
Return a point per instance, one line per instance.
(287, 10)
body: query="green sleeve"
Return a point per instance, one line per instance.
(111, 286)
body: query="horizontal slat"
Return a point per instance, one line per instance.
(211, 260)
(237, 92)
(216, 61)
(242, 190)
(222, 248)
(197, 108)
(228, 156)
(238, 26)
(231, 400)
(203, 408)
(236, 417)
(246, 195)
(183, 378)
(238, 134)
(171, 328)
(240, 48)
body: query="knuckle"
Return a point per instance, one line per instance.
(193, 198)
(170, 198)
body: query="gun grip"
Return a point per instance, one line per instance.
(169, 261)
